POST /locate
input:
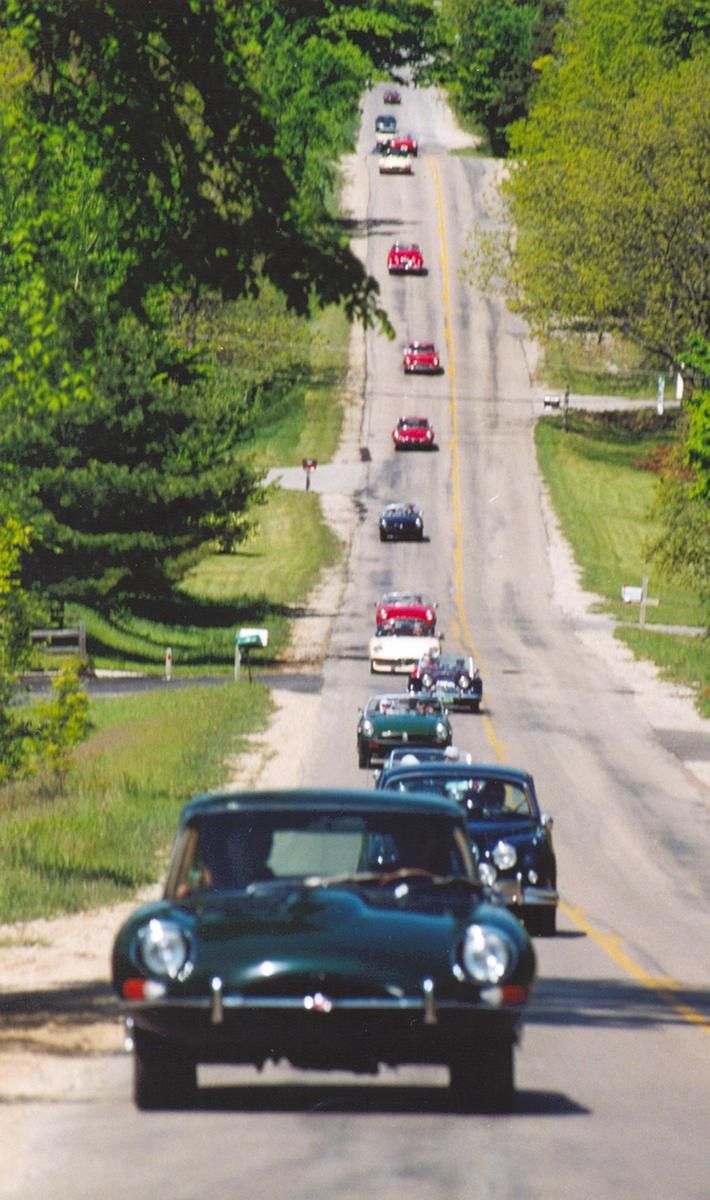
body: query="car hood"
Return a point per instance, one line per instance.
(283, 935)
(403, 647)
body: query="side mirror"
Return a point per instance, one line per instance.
(546, 820)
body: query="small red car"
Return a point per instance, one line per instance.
(421, 357)
(413, 433)
(412, 606)
(405, 259)
(392, 97)
(405, 141)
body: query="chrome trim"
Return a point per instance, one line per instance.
(430, 1016)
(217, 1000)
(296, 1003)
(542, 896)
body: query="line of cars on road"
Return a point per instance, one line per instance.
(406, 641)
(350, 929)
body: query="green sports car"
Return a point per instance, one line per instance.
(396, 719)
(334, 929)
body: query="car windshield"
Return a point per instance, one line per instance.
(447, 662)
(482, 798)
(402, 704)
(422, 347)
(227, 851)
(414, 423)
(403, 627)
(405, 599)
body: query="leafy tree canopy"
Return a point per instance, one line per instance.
(608, 194)
(493, 46)
(171, 104)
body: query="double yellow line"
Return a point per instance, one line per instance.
(665, 989)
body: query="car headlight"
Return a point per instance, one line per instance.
(486, 955)
(418, 521)
(487, 873)
(367, 729)
(504, 856)
(164, 947)
(441, 731)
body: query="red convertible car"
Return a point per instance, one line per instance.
(421, 358)
(414, 606)
(405, 141)
(405, 259)
(392, 97)
(413, 433)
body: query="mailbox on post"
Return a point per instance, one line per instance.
(245, 641)
(309, 466)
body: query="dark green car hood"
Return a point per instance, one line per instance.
(281, 935)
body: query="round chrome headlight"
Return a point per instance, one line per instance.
(486, 955)
(441, 731)
(164, 947)
(418, 521)
(504, 856)
(367, 729)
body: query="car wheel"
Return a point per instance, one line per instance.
(163, 1077)
(482, 1078)
(475, 706)
(382, 537)
(363, 757)
(541, 922)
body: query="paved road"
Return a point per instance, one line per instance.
(614, 1072)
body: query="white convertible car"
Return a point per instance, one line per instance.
(398, 645)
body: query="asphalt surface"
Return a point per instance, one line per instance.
(614, 1070)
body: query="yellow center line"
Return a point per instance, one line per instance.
(465, 633)
(665, 989)
(611, 944)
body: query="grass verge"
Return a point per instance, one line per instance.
(109, 829)
(262, 584)
(601, 487)
(598, 366)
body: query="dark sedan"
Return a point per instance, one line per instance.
(335, 930)
(511, 839)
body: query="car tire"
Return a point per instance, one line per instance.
(163, 1077)
(475, 706)
(482, 1078)
(363, 757)
(541, 922)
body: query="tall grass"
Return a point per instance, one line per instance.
(108, 831)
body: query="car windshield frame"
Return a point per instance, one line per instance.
(468, 790)
(236, 851)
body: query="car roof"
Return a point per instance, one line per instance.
(325, 800)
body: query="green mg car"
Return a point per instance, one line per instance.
(332, 929)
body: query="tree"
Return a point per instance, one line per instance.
(169, 100)
(682, 506)
(608, 193)
(123, 492)
(494, 45)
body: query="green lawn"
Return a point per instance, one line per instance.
(108, 830)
